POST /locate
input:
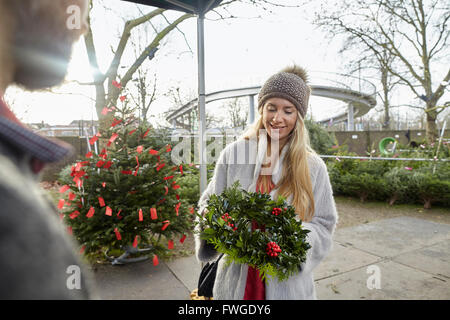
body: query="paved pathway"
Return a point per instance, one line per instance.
(399, 258)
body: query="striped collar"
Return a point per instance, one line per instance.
(42, 150)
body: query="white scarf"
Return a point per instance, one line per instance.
(277, 167)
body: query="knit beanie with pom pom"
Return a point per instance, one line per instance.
(290, 84)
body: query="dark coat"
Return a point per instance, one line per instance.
(37, 258)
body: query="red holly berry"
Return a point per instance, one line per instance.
(272, 249)
(226, 217)
(276, 211)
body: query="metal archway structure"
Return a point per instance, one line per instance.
(358, 103)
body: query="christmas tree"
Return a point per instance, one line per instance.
(127, 194)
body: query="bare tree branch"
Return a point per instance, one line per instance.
(153, 45)
(129, 25)
(182, 33)
(395, 26)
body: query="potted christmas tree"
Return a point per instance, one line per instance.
(126, 197)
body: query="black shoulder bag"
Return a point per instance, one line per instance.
(207, 278)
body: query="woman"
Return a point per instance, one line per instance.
(282, 163)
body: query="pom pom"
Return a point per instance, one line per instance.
(298, 71)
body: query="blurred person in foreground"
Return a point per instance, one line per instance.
(37, 259)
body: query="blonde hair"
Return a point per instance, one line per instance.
(295, 179)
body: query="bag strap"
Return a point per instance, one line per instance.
(215, 262)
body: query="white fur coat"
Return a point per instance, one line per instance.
(241, 160)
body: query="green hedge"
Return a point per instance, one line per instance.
(425, 182)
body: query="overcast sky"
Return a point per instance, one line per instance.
(239, 52)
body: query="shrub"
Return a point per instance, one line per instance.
(358, 178)
(321, 140)
(405, 181)
(431, 188)
(398, 182)
(364, 185)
